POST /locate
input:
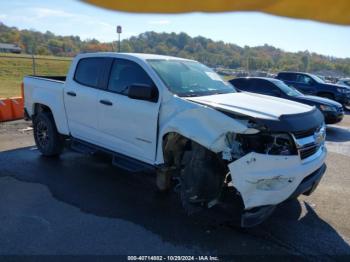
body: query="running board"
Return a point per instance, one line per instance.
(119, 160)
(82, 147)
(129, 164)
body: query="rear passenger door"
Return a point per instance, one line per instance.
(81, 96)
(128, 126)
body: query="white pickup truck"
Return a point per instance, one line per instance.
(181, 119)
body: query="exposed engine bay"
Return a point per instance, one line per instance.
(263, 143)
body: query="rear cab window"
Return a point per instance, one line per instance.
(91, 71)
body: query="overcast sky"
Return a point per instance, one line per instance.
(70, 17)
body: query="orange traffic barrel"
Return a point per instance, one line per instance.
(5, 109)
(17, 107)
(22, 90)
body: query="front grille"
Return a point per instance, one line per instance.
(304, 133)
(307, 151)
(309, 141)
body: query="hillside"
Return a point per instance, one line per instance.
(212, 53)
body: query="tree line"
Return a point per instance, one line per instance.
(205, 50)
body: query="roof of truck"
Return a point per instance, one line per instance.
(141, 56)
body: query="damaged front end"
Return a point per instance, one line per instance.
(267, 168)
(258, 160)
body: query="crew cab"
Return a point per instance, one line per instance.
(310, 84)
(179, 118)
(332, 111)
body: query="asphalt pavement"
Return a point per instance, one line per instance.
(82, 205)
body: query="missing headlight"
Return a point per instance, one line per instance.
(272, 144)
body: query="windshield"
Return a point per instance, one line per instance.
(290, 91)
(190, 78)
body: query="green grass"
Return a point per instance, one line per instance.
(14, 67)
(226, 78)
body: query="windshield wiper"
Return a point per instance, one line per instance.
(189, 95)
(222, 92)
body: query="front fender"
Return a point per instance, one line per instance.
(204, 125)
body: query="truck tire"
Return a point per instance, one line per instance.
(48, 140)
(202, 178)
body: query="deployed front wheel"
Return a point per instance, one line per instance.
(47, 139)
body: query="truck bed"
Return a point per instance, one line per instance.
(46, 90)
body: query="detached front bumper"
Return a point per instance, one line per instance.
(267, 180)
(309, 183)
(257, 215)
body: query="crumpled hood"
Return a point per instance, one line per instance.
(253, 105)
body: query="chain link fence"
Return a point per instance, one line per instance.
(14, 67)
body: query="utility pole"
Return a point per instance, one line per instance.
(119, 31)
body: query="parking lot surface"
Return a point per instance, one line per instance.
(79, 204)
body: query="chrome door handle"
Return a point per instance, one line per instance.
(70, 93)
(106, 102)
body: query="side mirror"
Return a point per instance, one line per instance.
(143, 92)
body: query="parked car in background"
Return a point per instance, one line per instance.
(313, 85)
(344, 82)
(332, 111)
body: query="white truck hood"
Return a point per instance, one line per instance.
(253, 105)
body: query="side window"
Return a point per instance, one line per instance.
(125, 73)
(304, 79)
(287, 76)
(240, 84)
(264, 87)
(89, 71)
(248, 85)
(255, 86)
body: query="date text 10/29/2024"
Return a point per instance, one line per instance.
(173, 258)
